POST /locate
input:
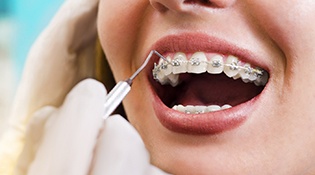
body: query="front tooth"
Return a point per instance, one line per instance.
(197, 63)
(166, 69)
(231, 67)
(213, 108)
(200, 109)
(190, 109)
(215, 65)
(173, 79)
(179, 63)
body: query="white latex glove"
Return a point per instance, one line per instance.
(74, 139)
(62, 56)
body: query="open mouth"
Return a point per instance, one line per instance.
(205, 85)
(198, 83)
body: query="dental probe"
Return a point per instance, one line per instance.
(122, 88)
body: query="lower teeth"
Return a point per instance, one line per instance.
(189, 109)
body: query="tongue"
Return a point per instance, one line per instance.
(206, 89)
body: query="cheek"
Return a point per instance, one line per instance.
(291, 26)
(288, 23)
(118, 26)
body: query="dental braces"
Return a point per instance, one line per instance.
(257, 72)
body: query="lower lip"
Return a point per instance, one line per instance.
(202, 124)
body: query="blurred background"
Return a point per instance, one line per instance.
(21, 21)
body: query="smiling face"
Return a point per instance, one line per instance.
(209, 123)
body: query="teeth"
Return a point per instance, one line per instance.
(216, 65)
(189, 109)
(245, 72)
(181, 108)
(252, 75)
(237, 76)
(179, 63)
(213, 108)
(200, 109)
(197, 63)
(159, 75)
(173, 79)
(246, 80)
(167, 71)
(231, 67)
(262, 79)
(226, 106)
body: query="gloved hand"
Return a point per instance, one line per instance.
(74, 139)
(63, 55)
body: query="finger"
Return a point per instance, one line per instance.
(120, 150)
(71, 132)
(32, 138)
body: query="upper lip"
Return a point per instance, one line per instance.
(193, 42)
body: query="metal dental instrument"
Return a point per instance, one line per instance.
(122, 88)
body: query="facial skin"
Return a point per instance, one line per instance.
(278, 135)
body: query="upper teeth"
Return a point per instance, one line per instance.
(167, 71)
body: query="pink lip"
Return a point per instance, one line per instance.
(201, 124)
(193, 42)
(207, 123)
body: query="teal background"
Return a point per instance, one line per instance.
(21, 21)
(29, 18)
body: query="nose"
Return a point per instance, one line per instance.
(179, 5)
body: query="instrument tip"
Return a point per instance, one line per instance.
(146, 61)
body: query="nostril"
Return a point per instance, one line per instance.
(211, 3)
(201, 2)
(165, 5)
(180, 5)
(158, 6)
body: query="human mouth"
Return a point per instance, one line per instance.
(204, 92)
(172, 72)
